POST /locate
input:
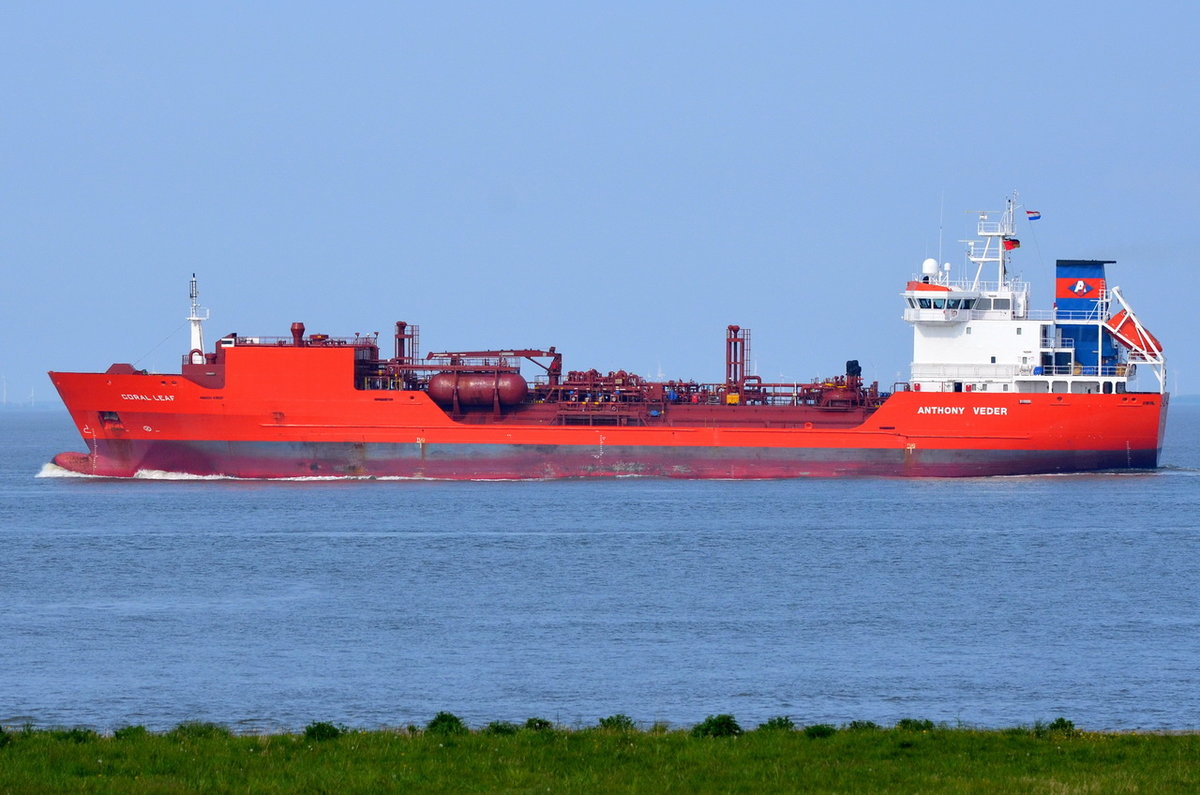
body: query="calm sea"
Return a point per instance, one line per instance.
(265, 606)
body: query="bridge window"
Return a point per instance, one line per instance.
(924, 302)
(1001, 303)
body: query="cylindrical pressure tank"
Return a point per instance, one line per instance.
(478, 389)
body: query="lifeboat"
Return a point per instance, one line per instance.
(1131, 334)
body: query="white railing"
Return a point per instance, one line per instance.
(970, 286)
(933, 372)
(938, 315)
(1077, 369)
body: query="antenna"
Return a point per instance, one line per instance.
(941, 222)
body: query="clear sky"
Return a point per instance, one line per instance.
(621, 180)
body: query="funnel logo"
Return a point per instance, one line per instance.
(1074, 288)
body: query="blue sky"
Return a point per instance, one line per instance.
(621, 180)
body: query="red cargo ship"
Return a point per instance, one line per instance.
(996, 389)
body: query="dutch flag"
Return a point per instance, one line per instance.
(1033, 215)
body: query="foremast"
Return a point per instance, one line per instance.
(196, 318)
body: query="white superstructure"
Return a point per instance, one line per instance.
(982, 336)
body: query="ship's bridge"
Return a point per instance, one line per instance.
(958, 302)
(932, 298)
(929, 302)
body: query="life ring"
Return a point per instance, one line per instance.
(916, 387)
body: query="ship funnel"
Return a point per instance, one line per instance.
(1082, 290)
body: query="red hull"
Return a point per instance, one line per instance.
(293, 412)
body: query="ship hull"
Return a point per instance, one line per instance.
(270, 422)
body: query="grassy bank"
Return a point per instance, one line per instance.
(715, 756)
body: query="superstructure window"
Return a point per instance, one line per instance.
(924, 303)
(1001, 303)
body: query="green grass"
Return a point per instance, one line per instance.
(852, 758)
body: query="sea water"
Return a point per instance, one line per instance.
(265, 606)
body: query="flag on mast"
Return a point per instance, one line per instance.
(1033, 215)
